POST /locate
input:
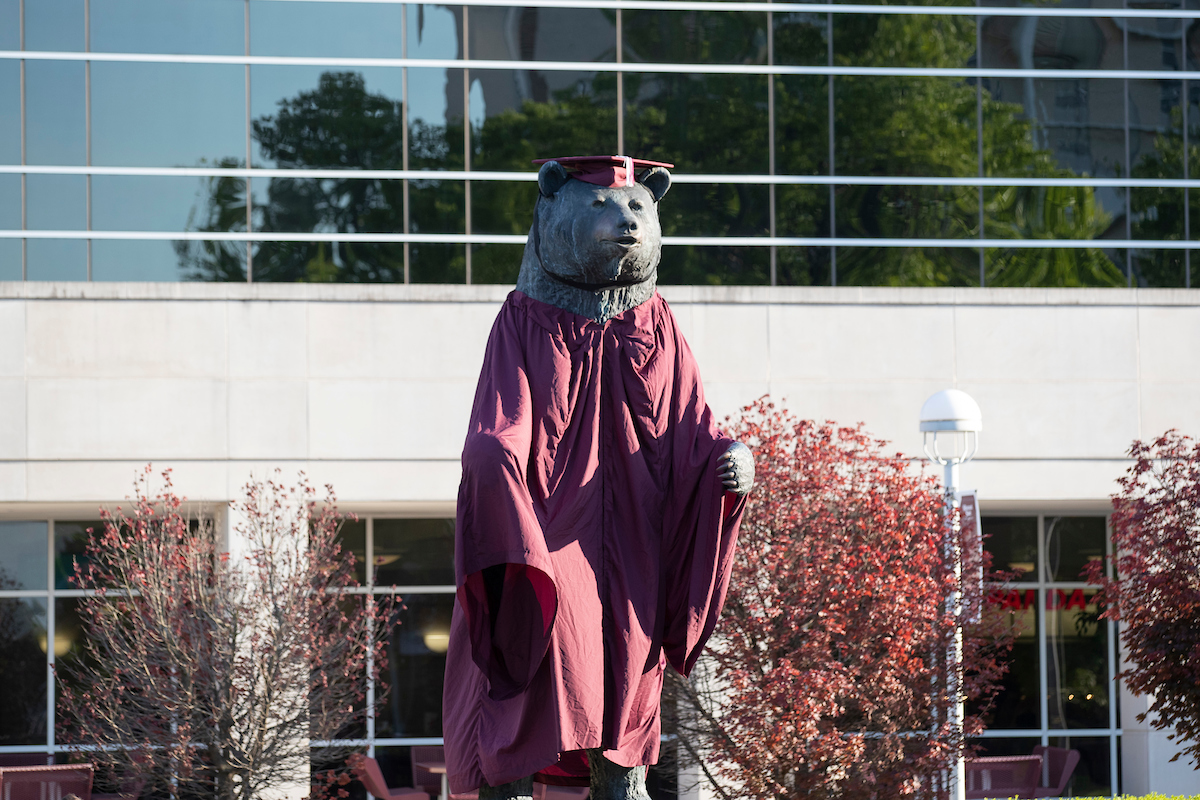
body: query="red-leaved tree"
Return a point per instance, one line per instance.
(827, 677)
(1156, 594)
(208, 673)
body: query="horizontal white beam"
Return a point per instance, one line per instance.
(644, 67)
(813, 8)
(702, 241)
(676, 177)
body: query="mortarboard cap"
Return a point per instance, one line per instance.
(611, 171)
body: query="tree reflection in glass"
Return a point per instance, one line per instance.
(890, 126)
(1077, 660)
(23, 645)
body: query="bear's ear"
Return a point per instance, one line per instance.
(657, 180)
(551, 178)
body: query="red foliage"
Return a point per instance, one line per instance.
(1156, 596)
(830, 662)
(208, 673)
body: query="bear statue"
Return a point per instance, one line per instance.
(599, 504)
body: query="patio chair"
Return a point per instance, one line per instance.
(367, 770)
(51, 782)
(1003, 777)
(1060, 765)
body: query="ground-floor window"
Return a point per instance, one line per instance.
(1060, 689)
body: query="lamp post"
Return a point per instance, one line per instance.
(950, 425)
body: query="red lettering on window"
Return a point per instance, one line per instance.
(1077, 599)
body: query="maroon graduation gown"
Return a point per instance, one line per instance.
(590, 471)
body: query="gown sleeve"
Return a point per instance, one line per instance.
(701, 521)
(506, 586)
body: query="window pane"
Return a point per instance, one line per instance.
(10, 25)
(1156, 151)
(416, 668)
(56, 202)
(694, 37)
(1041, 212)
(136, 203)
(168, 26)
(1018, 703)
(1093, 774)
(129, 260)
(903, 40)
(1038, 126)
(714, 265)
(317, 117)
(905, 266)
(905, 126)
(1071, 544)
(496, 263)
(716, 209)
(802, 125)
(23, 555)
(543, 34)
(439, 207)
(1077, 672)
(435, 119)
(411, 552)
(54, 24)
(923, 212)
(209, 260)
(1012, 541)
(56, 259)
(10, 118)
(70, 547)
(55, 130)
(1052, 43)
(433, 31)
(505, 206)
(528, 114)
(700, 123)
(10, 259)
(168, 115)
(328, 30)
(353, 536)
(10, 202)
(800, 39)
(803, 266)
(1006, 746)
(438, 263)
(23, 671)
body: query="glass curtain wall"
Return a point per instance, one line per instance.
(276, 140)
(1059, 690)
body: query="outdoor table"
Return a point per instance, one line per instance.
(438, 768)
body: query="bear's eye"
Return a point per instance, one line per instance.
(634, 205)
(599, 203)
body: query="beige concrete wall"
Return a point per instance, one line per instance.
(369, 387)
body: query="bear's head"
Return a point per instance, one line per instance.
(594, 249)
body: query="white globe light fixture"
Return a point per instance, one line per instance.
(950, 426)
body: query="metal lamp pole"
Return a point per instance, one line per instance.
(951, 419)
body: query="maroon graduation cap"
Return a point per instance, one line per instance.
(611, 171)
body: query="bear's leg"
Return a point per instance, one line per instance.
(517, 790)
(613, 782)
